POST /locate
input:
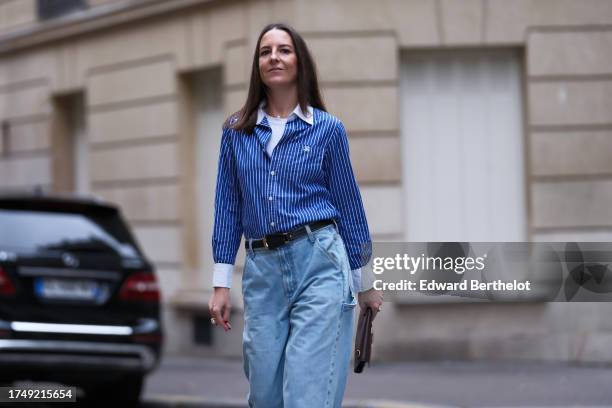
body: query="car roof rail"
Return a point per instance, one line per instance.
(39, 192)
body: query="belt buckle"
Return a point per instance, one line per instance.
(274, 241)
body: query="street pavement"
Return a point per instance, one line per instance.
(215, 383)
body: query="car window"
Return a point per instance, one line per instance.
(38, 230)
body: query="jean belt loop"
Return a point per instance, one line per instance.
(251, 247)
(311, 237)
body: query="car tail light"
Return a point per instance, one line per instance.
(141, 286)
(6, 286)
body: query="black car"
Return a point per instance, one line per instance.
(79, 301)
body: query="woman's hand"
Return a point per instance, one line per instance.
(220, 306)
(371, 298)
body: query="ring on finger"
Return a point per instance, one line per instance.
(213, 320)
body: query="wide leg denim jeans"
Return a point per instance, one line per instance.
(298, 309)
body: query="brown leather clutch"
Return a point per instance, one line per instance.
(363, 340)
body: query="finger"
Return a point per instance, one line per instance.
(211, 307)
(362, 309)
(216, 314)
(226, 316)
(222, 321)
(376, 308)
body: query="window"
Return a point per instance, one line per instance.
(56, 8)
(38, 230)
(70, 144)
(202, 334)
(462, 145)
(208, 105)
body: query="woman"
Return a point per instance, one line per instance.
(286, 182)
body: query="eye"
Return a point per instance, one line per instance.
(264, 52)
(286, 51)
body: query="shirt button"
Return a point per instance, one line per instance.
(272, 224)
(270, 198)
(272, 173)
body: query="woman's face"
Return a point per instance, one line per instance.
(277, 59)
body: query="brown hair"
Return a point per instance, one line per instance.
(307, 83)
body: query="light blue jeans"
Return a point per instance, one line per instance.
(298, 311)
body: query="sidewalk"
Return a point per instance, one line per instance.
(163, 401)
(199, 382)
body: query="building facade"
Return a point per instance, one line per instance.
(482, 120)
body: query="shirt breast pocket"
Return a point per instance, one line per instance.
(306, 161)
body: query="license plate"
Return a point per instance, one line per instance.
(68, 289)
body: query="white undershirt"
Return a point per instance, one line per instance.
(278, 128)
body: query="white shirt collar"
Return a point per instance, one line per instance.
(297, 112)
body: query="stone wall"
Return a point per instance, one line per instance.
(134, 79)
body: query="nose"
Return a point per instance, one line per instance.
(274, 55)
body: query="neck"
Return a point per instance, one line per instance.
(281, 102)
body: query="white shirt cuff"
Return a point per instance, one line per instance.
(356, 277)
(222, 275)
(366, 280)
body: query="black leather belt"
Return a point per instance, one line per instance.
(273, 241)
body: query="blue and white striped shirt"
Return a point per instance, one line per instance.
(308, 178)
